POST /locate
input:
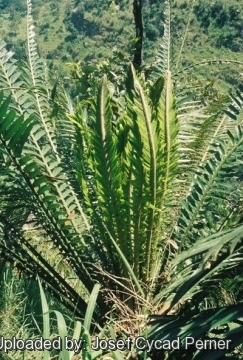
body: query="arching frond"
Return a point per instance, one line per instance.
(163, 61)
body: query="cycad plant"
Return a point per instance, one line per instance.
(135, 188)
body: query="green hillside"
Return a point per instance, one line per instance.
(91, 30)
(214, 33)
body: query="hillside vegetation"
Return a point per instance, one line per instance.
(88, 31)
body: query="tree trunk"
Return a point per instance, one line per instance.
(137, 13)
